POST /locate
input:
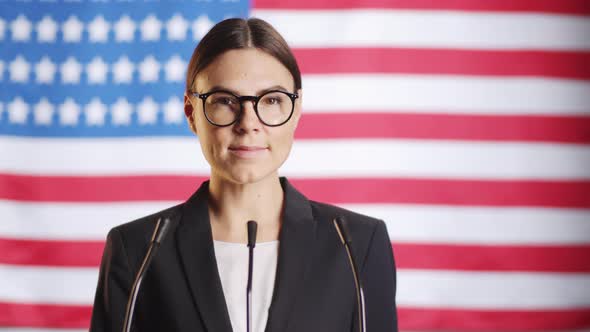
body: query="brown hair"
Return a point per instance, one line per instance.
(237, 33)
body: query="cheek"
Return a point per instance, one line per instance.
(283, 144)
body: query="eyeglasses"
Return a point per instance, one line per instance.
(223, 108)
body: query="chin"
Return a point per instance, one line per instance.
(248, 176)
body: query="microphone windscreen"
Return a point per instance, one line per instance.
(344, 229)
(252, 228)
(164, 226)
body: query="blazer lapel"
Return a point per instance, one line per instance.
(195, 247)
(296, 240)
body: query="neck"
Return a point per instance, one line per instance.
(231, 205)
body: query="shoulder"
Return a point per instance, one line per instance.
(139, 231)
(323, 211)
(362, 227)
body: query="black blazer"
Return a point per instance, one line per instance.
(314, 288)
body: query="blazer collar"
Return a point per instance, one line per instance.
(195, 247)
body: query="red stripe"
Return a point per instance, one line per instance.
(408, 256)
(493, 258)
(492, 320)
(580, 7)
(51, 253)
(563, 64)
(526, 128)
(44, 315)
(569, 194)
(69, 316)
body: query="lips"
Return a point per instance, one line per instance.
(247, 151)
(247, 148)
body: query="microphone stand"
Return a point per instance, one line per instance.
(252, 228)
(344, 233)
(157, 237)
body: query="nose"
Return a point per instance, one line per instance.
(248, 120)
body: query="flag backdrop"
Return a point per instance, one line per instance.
(464, 124)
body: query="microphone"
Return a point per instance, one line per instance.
(160, 231)
(344, 233)
(252, 228)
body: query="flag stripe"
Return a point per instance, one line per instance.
(429, 288)
(409, 223)
(377, 157)
(62, 316)
(444, 61)
(44, 315)
(565, 194)
(492, 258)
(51, 253)
(447, 94)
(578, 7)
(524, 128)
(408, 255)
(429, 29)
(384, 93)
(412, 318)
(492, 290)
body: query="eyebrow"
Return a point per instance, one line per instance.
(274, 87)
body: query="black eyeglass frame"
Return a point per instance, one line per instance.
(241, 100)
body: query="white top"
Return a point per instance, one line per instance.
(232, 262)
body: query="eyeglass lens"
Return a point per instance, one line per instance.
(274, 108)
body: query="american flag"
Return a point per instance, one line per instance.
(464, 124)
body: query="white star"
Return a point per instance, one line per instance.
(46, 29)
(95, 112)
(149, 69)
(70, 71)
(175, 69)
(150, 28)
(98, 30)
(173, 110)
(21, 29)
(18, 111)
(123, 70)
(124, 29)
(97, 71)
(177, 27)
(19, 70)
(43, 112)
(121, 112)
(201, 26)
(147, 111)
(45, 70)
(69, 112)
(2, 28)
(72, 29)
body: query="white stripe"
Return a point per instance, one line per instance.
(423, 28)
(481, 225)
(415, 288)
(309, 158)
(405, 223)
(492, 290)
(70, 221)
(444, 94)
(48, 285)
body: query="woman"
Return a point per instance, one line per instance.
(243, 100)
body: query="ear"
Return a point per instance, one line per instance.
(189, 111)
(297, 110)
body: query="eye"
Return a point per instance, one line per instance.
(223, 100)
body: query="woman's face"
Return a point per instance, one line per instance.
(248, 150)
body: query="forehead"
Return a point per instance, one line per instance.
(246, 71)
